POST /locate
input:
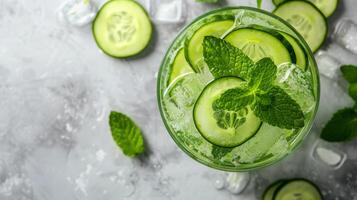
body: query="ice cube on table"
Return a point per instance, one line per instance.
(77, 12)
(328, 65)
(168, 11)
(327, 154)
(236, 182)
(345, 34)
(297, 83)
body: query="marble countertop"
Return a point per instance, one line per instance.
(57, 89)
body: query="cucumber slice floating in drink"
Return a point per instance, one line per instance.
(307, 20)
(258, 44)
(223, 128)
(193, 45)
(301, 56)
(180, 66)
(298, 189)
(122, 28)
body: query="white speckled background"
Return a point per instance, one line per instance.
(57, 88)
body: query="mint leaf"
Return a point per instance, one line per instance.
(126, 134)
(223, 59)
(234, 99)
(263, 74)
(219, 152)
(282, 111)
(349, 73)
(259, 3)
(342, 126)
(352, 91)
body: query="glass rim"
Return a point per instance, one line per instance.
(250, 166)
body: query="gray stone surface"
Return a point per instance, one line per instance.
(57, 89)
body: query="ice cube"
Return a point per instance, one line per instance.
(345, 34)
(219, 183)
(168, 11)
(328, 65)
(236, 182)
(297, 84)
(327, 154)
(183, 93)
(77, 12)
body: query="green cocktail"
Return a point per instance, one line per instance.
(202, 79)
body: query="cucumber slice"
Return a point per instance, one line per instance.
(327, 7)
(301, 56)
(179, 66)
(258, 44)
(193, 45)
(237, 130)
(122, 28)
(269, 192)
(298, 189)
(307, 20)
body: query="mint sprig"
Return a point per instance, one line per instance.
(343, 125)
(268, 101)
(280, 109)
(126, 134)
(223, 59)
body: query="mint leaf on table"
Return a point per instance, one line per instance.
(342, 126)
(223, 59)
(126, 134)
(234, 99)
(263, 74)
(219, 152)
(281, 110)
(352, 91)
(349, 72)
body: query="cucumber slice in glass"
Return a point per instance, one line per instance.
(122, 28)
(258, 44)
(298, 189)
(301, 56)
(239, 126)
(193, 45)
(179, 66)
(327, 7)
(306, 19)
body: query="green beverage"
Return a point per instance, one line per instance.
(238, 89)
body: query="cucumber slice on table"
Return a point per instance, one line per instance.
(298, 189)
(327, 7)
(301, 56)
(179, 66)
(238, 126)
(122, 28)
(258, 44)
(306, 19)
(269, 192)
(193, 45)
